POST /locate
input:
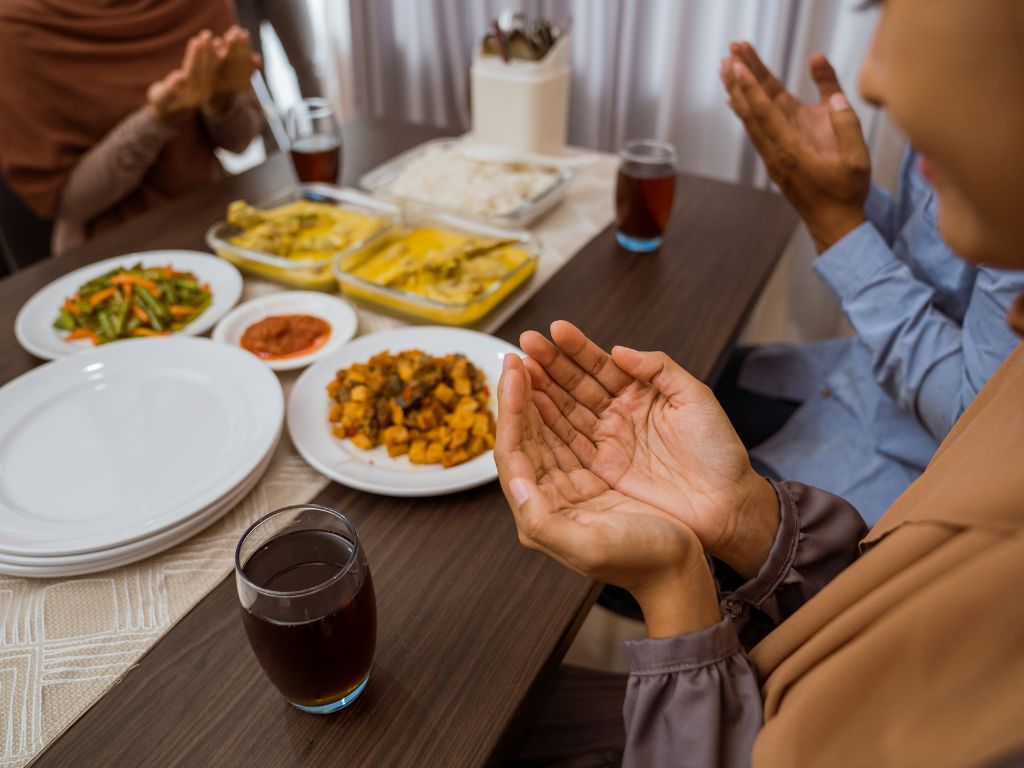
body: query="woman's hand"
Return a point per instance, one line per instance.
(645, 429)
(567, 512)
(815, 152)
(188, 88)
(235, 64)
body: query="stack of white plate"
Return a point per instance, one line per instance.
(116, 454)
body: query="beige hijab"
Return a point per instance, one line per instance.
(70, 70)
(914, 656)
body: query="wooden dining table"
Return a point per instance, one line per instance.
(471, 625)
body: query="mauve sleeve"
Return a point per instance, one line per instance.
(239, 124)
(695, 700)
(113, 167)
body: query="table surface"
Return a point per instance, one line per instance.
(471, 624)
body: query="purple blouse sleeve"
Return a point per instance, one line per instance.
(695, 700)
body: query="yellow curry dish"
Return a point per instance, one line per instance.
(432, 409)
(297, 237)
(439, 273)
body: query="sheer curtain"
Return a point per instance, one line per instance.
(640, 68)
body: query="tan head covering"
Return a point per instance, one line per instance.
(70, 70)
(926, 631)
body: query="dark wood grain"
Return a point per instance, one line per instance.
(471, 624)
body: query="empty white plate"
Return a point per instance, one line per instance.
(127, 440)
(336, 312)
(374, 470)
(34, 324)
(91, 562)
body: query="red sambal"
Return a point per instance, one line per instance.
(281, 336)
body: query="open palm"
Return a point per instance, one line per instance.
(644, 427)
(566, 511)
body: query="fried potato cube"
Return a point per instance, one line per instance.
(360, 394)
(353, 412)
(333, 388)
(461, 420)
(425, 420)
(398, 449)
(459, 438)
(481, 423)
(418, 452)
(444, 393)
(335, 412)
(395, 435)
(451, 458)
(397, 414)
(435, 452)
(463, 386)
(362, 440)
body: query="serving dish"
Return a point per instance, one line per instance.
(381, 179)
(335, 311)
(419, 306)
(310, 274)
(34, 326)
(374, 470)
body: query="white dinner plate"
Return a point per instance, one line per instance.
(34, 324)
(336, 312)
(91, 562)
(127, 440)
(374, 470)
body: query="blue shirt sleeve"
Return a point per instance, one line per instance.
(928, 362)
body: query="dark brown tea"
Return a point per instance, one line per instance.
(318, 648)
(643, 201)
(317, 158)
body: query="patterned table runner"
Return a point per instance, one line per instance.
(64, 642)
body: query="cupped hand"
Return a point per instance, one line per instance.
(567, 512)
(815, 153)
(189, 87)
(235, 62)
(648, 430)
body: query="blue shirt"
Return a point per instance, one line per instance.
(930, 331)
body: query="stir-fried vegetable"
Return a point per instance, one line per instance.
(138, 301)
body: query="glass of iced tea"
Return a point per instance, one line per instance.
(308, 605)
(315, 138)
(643, 193)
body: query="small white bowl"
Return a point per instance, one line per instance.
(336, 312)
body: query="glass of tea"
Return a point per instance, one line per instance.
(308, 605)
(643, 193)
(315, 138)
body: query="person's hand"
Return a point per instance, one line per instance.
(188, 88)
(815, 153)
(648, 430)
(565, 511)
(235, 64)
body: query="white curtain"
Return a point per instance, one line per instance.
(640, 68)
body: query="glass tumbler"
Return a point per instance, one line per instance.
(315, 137)
(308, 605)
(644, 191)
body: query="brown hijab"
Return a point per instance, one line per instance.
(70, 70)
(927, 628)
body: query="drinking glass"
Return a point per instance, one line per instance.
(644, 191)
(308, 605)
(315, 138)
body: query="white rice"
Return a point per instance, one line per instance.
(446, 178)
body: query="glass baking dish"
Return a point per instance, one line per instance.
(379, 180)
(315, 274)
(422, 307)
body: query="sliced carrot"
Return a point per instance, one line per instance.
(72, 307)
(140, 313)
(206, 287)
(100, 296)
(169, 270)
(148, 332)
(126, 289)
(81, 333)
(149, 285)
(181, 311)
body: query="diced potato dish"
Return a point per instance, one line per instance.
(433, 409)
